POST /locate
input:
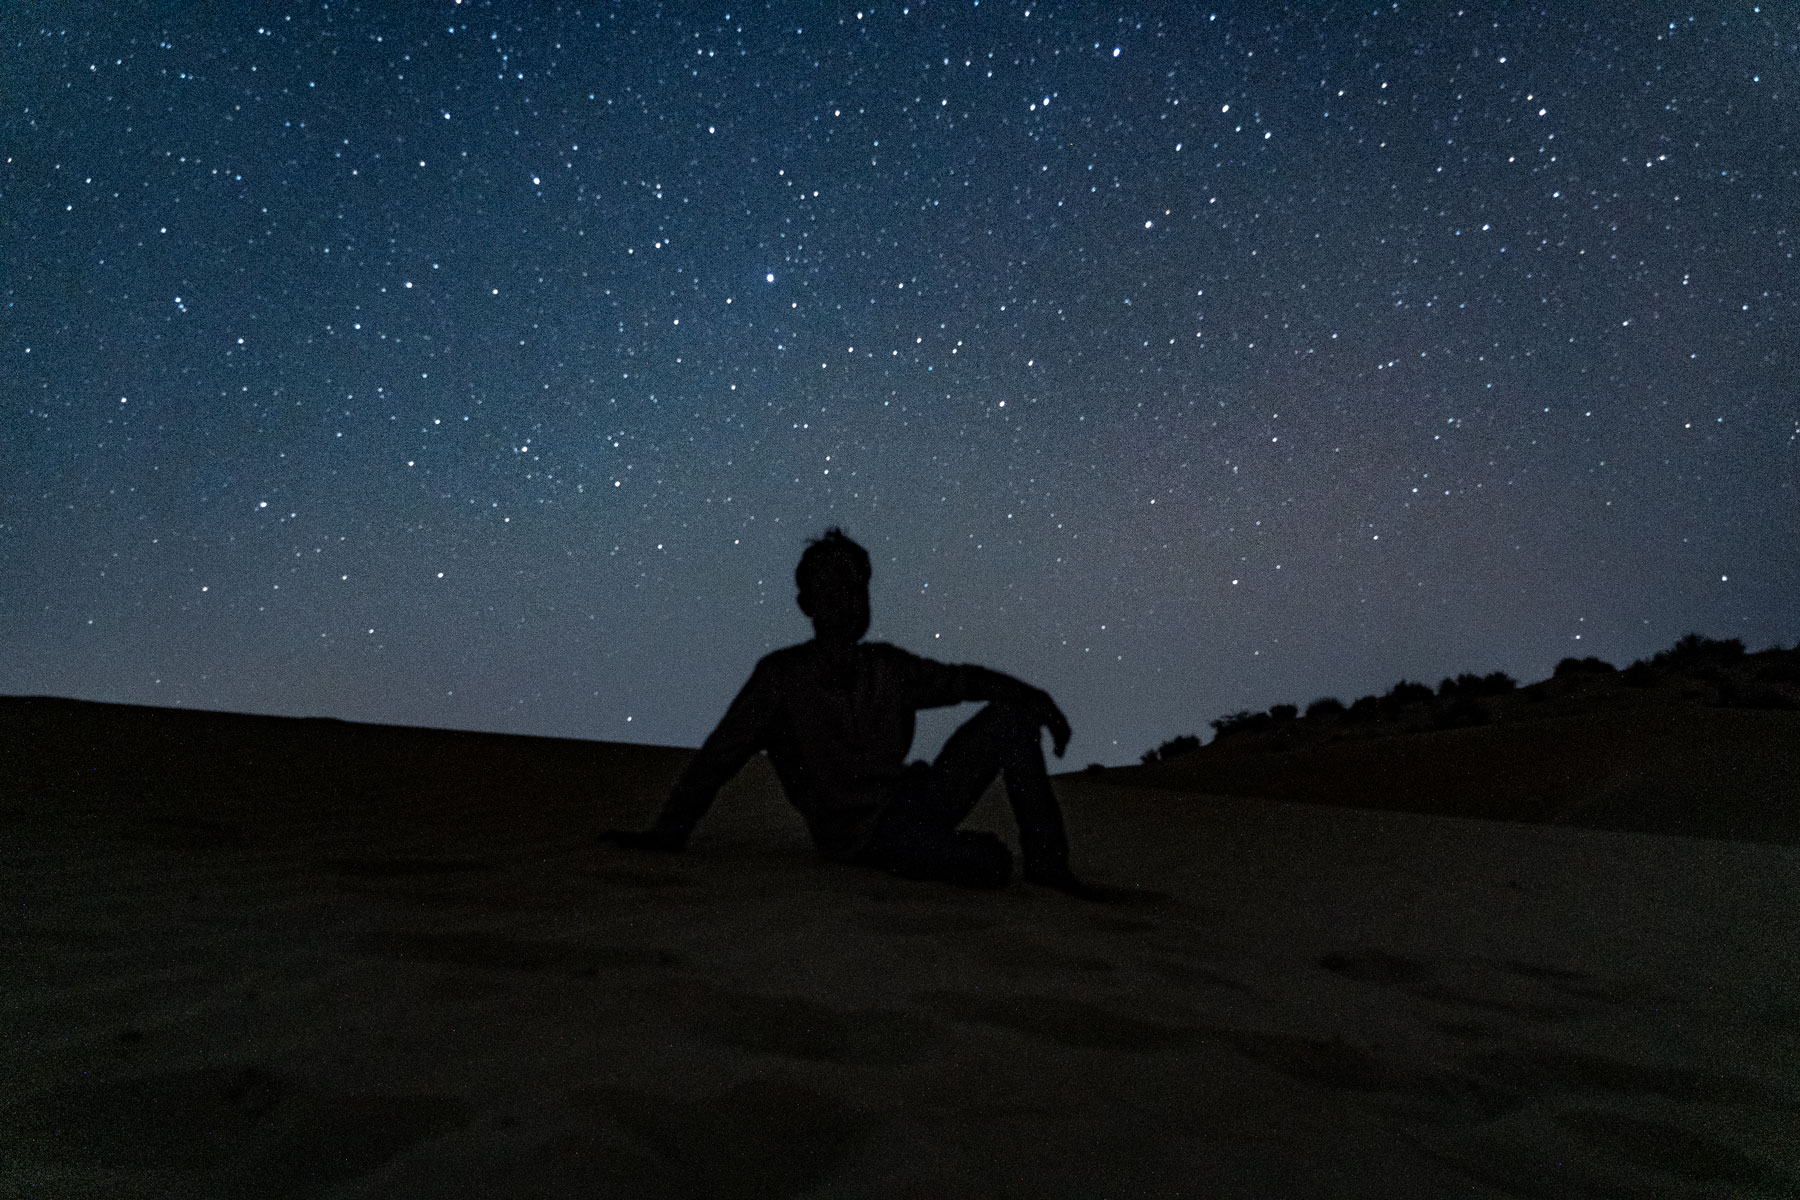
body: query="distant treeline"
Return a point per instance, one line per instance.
(1457, 701)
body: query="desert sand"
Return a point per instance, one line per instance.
(254, 956)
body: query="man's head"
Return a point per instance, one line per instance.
(833, 578)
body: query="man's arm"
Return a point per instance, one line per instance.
(981, 683)
(935, 684)
(741, 733)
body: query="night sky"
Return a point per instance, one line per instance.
(487, 365)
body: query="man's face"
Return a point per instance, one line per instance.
(838, 603)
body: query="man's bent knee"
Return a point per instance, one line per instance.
(1010, 719)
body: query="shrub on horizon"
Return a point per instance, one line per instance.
(1464, 711)
(1778, 665)
(1693, 649)
(1242, 721)
(1406, 692)
(1175, 747)
(1583, 666)
(1283, 712)
(1472, 687)
(1324, 706)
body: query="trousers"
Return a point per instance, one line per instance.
(917, 836)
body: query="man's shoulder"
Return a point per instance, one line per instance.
(803, 658)
(897, 658)
(788, 658)
(887, 650)
(807, 651)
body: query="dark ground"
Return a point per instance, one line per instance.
(255, 956)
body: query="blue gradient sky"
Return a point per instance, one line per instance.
(487, 366)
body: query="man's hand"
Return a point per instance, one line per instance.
(981, 683)
(649, 839)
(1051, 718)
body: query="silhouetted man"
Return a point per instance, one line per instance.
(835, 716)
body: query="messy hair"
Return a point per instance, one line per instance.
(828, 545)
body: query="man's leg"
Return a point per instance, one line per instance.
(1002, 739)
(923, 840)
(917, 838)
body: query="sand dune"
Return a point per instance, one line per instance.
(252, 956)
(1700, 772)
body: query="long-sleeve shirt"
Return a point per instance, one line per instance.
(837, 740)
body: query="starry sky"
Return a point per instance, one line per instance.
(487, 365)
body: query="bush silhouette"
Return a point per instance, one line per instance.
(1692, 653)
(1583, 666)
(1405, 692)
(1242, 721)
(1778, 665)
(1694, 649)
(1471, 687)
(1461, 712)
(1695, 663)
(1175, 747)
